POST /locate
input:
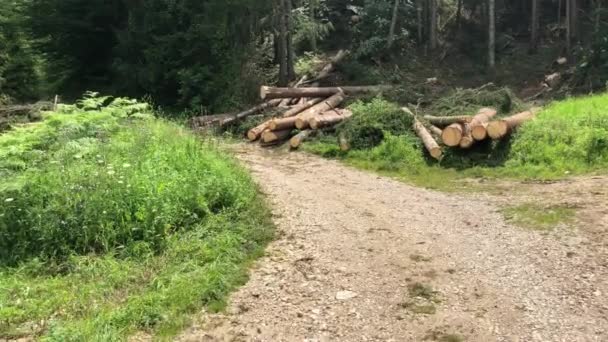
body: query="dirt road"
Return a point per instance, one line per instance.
(366, 258)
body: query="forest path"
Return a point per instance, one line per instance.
(366, 258)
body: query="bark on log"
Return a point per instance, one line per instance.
(275, 136)
(302, 107)
(452, 134)
(501, 128)
(435, 130)
(331, 103)
(255, 133)
(447, 120)
(254, 110)
(427, 139)
(330, 67)
(467, 140)
(329, 118)
(282, 123)
(479, 123)
(275, 93)
(299, 138)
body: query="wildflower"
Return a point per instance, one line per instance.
(126, 165)
(8, 200)
(111, 172)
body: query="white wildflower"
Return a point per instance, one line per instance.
(8, 200)
(111, 172)
(126, 165)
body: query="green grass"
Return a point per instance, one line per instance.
(534, 216)
(569, 137)
(114, 222)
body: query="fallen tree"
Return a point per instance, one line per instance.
(252, 111)
(427, 139)
(329, 104)
(330, 67)
(329, 118)
(277, 93)
(256, 132)
(282, 123)
(501, 128)
(302, 107)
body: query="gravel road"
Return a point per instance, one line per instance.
(366, 258)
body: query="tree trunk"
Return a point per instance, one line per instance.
(574, 19)
(291, 74)
(302, 107)
(303, 118)
(254, 110)
(491, 35)
(435, 130)
(433, 24)
(283, 123)
(447, 120)
(598, 15)
(427, 139)
(479, 123)
(452, 134)
(459, 15)
(501, 128)
(329, 67)
(534, 27)
(275, 136)
(568, 27)
(391, 32)
(329, 118)
(282, 45)
(275, 93)
(299, 138)
(420, 24)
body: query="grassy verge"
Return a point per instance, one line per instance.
(114, 222)
(537, 217)
(567, 138)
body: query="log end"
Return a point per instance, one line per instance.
(295, 142)
(252, 136)
(466, 142)
(301, 123)
(451, 136)
(272, 125)
(263, 92)
(268, 136)
(436, 153)
(479, 132)
(314, 123)
(498, 129)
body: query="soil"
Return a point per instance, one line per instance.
(366, 258)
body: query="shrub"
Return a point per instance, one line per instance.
(371, 120)
(88, 182)
(571, 135)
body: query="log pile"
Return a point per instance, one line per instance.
(299, 111)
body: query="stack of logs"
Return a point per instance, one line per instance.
(465, 131)
(316, 108)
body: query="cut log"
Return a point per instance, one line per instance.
(330, 67)
(435, 130)
(299, 138)
(447, 120)
(275, 136)
(467, 140)
(255, 133)
(452, 134)
(302, 107)
(282, 123)
(331, 103)
(427, 139)
(252, 111)
(277, 93)
(329, 118)
(501, 128)
(479, 124)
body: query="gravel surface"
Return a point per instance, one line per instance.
(366, 258)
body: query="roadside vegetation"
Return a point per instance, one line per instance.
(568, 137)
(114, 222)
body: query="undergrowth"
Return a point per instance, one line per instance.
(568, 137)
(113, 222)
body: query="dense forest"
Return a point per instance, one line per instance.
(214, 53)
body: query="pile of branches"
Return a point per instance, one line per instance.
(464, 131)
(303, 108)
(14, 114)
